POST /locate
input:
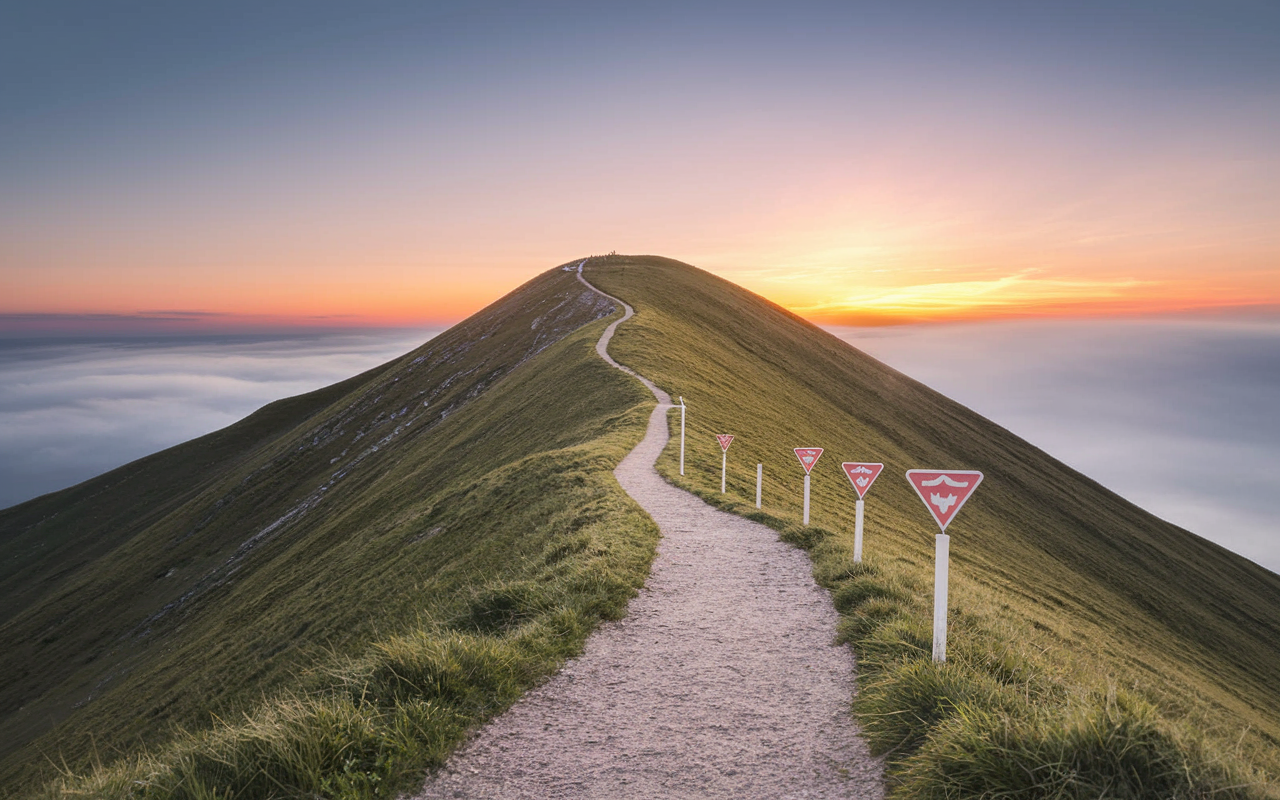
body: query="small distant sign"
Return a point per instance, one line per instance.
(726, 439)
(944, 492)
(861, 475)
(808, 457)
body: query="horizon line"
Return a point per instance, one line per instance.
(197, 322)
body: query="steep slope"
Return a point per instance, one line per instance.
(199, 580)
(1044, 560)
(351, 579)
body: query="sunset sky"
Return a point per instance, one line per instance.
(405, 163)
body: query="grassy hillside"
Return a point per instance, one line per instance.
(325, 596)
(1095, 649)
(322, 599)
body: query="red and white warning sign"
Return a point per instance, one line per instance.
(726, 439)
(944, 492)
(861, 475)
(808, 457)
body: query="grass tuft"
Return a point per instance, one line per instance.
(1114, 746)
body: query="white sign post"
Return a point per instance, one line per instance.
(943, 492)
(808, 457)
(682, 435)
(725, 440)
(861, 475)
(759, 480)
(941, 562)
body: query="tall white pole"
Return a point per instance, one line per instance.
(724, 460)
(806, 498)
(857, 534)
(940, 598)
(759, 480)
(681, 435)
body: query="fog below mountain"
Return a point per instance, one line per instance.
(72, 408)
(1177, 416)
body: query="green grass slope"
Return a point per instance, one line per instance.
(323, 598)
(1095, 650)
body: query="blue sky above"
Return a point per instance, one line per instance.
(122, 75)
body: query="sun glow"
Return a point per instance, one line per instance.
(909, 294)
(1025, 293)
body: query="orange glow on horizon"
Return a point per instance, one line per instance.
(1023, 295)
(823, 294)
(894, 283)
(278, 301)
(919, 196)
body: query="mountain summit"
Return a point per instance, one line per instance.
(374, 568)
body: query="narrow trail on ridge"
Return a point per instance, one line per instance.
(721, 681)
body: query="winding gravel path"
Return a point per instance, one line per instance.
(722, 680)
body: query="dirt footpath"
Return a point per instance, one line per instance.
(722, 681)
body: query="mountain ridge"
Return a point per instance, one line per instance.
(1112, 584)
(1059, 585)
(281, 469)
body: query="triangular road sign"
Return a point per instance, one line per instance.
(726, 439)
(944, 492)
(808, 457)
(861, 475)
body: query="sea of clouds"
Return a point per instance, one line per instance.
(1180, 417)
(72, 408)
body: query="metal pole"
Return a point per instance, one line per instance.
(724, 461)
(940, 598)
(681, 435)
(759, 480)
(806, 498)
(857, 534)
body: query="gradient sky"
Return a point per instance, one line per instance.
(404, 163)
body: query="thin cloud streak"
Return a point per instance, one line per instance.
(1025, 293)
(169, 323)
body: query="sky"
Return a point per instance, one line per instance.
(216, 166)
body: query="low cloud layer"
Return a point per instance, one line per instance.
(1179, 417)
(72, 409)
